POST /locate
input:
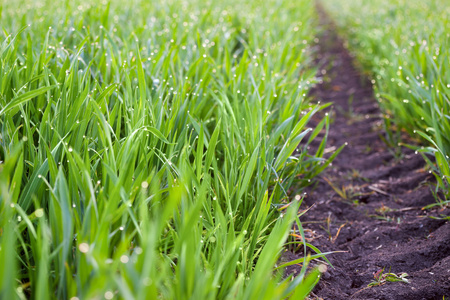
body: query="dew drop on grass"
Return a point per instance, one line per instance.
(147, 281)
(109, 295)
(124, 259)
(39, 213)
(83, 247)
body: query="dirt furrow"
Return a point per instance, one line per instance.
(369, 203)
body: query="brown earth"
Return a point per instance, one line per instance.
(380, 222)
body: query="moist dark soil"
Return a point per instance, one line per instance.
(379, 222)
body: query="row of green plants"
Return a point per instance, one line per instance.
(404, 45)
(148, 148)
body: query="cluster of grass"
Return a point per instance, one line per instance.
(148, 148)
(405, 46)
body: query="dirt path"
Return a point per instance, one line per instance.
(379, 223)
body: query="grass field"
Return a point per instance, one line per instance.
(160, 149)
(148, 149)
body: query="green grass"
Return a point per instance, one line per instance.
(404, 46)
(148, 148)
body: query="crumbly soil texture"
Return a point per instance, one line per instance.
(369, 203)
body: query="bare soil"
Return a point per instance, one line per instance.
(380, 223)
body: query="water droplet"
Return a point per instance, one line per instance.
(109, 295)
(39, 212)
(83, 247)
